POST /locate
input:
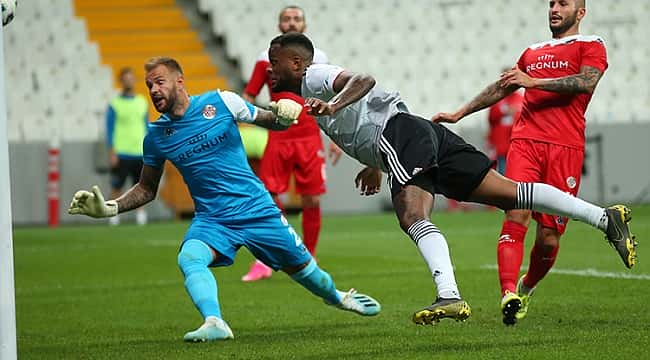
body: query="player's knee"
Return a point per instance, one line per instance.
(409, 218)
(310, 201)
(194, 254)
(519, 216)
(548, 240)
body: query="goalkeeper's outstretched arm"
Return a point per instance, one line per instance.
(91, 203)
(142, 192)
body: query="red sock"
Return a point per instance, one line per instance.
(541, 261)
(311, 227)
(510, 253)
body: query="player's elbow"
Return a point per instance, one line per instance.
(368, 80)
(590, 88)
(148, 191)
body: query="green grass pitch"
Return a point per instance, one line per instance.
(95, 292)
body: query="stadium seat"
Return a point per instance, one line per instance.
(466, 42)
(49, 50)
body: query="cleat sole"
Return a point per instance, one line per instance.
(429, 317)
(630, 242)
(510, 310)
(631, 248)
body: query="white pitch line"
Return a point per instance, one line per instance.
(587, 273)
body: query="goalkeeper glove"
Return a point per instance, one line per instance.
(286, 111)
(92, 204)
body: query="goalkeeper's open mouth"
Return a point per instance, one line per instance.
(159, 102)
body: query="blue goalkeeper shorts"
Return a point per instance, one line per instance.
(271, 240)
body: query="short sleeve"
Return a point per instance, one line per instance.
(320, 79)
(240, 109)
(594, 54)
(521, 63)
(150, 154)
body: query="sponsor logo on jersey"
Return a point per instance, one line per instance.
(201, 144)
(209, 112)
(547, 61)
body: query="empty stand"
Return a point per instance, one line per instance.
(441, 53)
(47, 51)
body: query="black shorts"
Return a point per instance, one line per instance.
(124, 169)
(419, 152)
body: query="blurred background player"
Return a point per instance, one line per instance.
(199, 136)
(548, 141)
(126, 125)
(297, 151)
(501, 117)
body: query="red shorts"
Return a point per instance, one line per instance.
(304, 158)
(557, 165)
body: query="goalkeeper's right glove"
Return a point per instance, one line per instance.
(92, 204)
(286, 111)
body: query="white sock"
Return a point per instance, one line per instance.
(141, 216)
(433, 248)
(114, 220)
(551, 200)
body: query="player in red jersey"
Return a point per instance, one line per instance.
(548, 140)
(298, 151)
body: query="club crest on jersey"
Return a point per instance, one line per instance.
(571, 182)
(209, 112)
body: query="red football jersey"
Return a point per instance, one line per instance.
(556, 117)
(306, 125)
(501, 117)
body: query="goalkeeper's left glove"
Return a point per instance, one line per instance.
(92, 204)
(286, 111)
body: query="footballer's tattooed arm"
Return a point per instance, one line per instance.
(488, 97)
(142, 192)
(584, 82)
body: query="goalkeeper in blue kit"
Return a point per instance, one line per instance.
(199, 135)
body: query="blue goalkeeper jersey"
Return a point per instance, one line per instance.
(205, 146)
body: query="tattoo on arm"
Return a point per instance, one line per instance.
(489, 96)
(584, 82)
(266, 119)
(142, 192)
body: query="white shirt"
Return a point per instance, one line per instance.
(356, 128)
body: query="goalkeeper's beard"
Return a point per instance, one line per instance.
(168, 104)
